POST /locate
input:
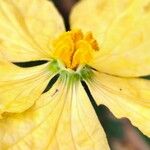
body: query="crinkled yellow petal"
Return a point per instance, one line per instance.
(125, 41)
(97, 16)
(125, 97)
(20, 87)
(62, 119)
(27, 28)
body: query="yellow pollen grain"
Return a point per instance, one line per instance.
(74, 48)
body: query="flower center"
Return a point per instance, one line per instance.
(73, 48)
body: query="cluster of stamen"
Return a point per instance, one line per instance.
(73, 48)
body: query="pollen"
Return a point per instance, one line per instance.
(73, 48)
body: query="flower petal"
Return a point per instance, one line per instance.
(27, 27)
(61, 119)
(97, 16)
(20, 87)
(125, 97)
(123, 37)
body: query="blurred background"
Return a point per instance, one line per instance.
(120, 132)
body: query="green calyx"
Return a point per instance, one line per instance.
(54, 67)
(81, 73)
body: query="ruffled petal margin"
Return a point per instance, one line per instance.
(125, 97)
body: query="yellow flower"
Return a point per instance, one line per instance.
(46, 107)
